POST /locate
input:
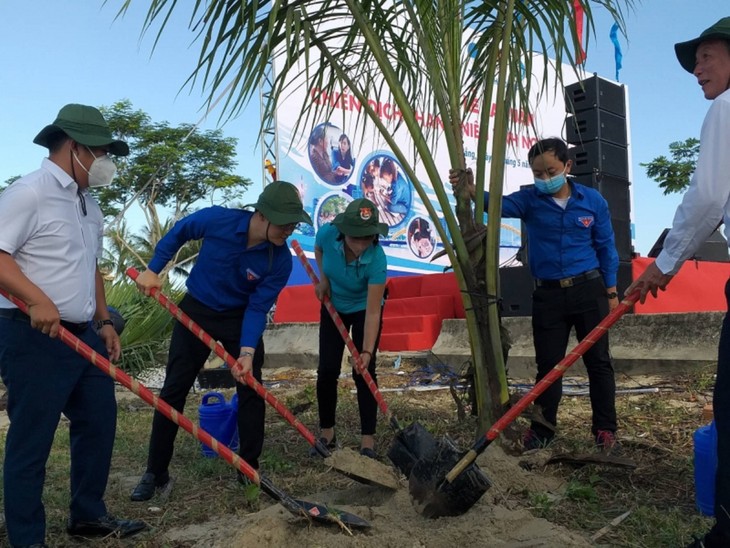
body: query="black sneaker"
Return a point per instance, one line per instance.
(105, 526)
(533, 440)
(147, 485)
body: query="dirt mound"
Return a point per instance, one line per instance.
(491, 522)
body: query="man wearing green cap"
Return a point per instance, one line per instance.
(352, 270)
(243, 265)
(705, 204)
(49, 245)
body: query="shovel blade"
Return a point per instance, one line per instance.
(434, 497)
(322, 514)
(410, 445)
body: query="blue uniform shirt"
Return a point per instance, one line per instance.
(226, 275)
(349, 282)
(565, 242)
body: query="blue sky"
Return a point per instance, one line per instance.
(55, 52)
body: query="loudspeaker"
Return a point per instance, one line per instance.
(595, 124)
(595, 93)
(599, 156)
(616, 192)
(713, 249)
(516, 285)
(624, 279)
(614, 189)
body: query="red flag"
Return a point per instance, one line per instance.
(578, 9)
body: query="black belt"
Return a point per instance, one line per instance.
(569, 282)
(19, 315)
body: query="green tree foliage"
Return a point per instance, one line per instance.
(172, 167)
(169, 172)
(433, 57)
(674, 175)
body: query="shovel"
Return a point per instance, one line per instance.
(311, 511)
(361, 474)
(437, 485)
(410, 444)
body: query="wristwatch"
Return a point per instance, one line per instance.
(612, 295)
(102, 323)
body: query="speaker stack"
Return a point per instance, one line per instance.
(596, 126)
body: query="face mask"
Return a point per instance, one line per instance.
(552, 185)
(101, 172)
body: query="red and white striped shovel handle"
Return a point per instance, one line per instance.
(143, 392)
(229, 360)
(343, 332)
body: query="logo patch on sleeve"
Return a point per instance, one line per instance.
(251, 275)
(586, 221)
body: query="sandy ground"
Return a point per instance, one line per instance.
(492, 521)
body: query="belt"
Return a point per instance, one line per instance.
(18, 315)
(569, 282)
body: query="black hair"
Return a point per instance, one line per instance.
(341, 237)
(552, 144)
(56, 140)
(318, 134)
(419, 229)
(389, 167)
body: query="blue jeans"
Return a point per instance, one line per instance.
(45, 378)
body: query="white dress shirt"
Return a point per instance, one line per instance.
(55, 245)
(707, 200)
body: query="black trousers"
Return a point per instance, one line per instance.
(721, 406)
(186, 357)
(331, 347)
(554, 312)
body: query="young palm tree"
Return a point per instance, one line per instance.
(436, 56)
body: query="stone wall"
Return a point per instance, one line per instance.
(640, 343)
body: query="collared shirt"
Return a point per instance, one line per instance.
(349, 281)
(708, 198)
(55, 245)
(227, 275)
(565, 242)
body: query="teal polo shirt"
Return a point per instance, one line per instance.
(349, 282)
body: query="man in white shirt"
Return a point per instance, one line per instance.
(50, 241)
(704, 205)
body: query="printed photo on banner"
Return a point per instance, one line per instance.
(421, 239)
(331, 154)
(383, 182)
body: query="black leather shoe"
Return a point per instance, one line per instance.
(105, 526)
(145, 489)
(331, 445)
(369, 453)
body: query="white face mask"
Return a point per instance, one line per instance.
(101, 172)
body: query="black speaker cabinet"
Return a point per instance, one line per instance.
(614, 189)
(616, 192)
(713, 249)
(595, 93)
(624, 279)
(595, 124)
(516, 285)
(601, 157)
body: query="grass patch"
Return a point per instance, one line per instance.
(655, 430)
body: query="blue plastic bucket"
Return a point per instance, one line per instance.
(705, 440)
(219, 419)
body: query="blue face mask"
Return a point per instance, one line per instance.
(552, 185)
